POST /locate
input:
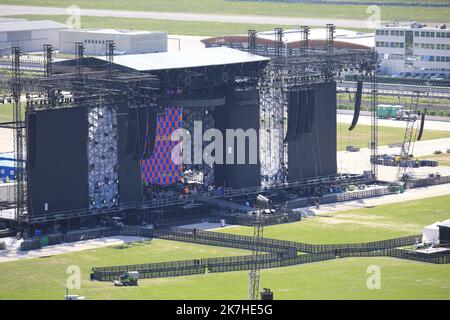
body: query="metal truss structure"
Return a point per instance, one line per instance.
(299, 71)
(101, 92)
(103, 163)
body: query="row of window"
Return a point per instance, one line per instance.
(427, 34)
(94, 41)
(433, 58)
(436, 46)
(419, 58)
(432, 34)
(382, 32)
(385, 44)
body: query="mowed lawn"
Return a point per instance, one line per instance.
(6, 112)
(192, 28)
(388, 13)
(360, 225)
(360, 136)
(45, 278)
(337, 279)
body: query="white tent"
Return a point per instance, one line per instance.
(445, 223)
(431, 233)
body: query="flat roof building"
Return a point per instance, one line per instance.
(415, 47)
(126, 41)
(30, 36)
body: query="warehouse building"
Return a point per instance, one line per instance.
(411, 48)
(126, 41)
(30, 36)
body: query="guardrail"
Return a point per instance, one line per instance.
(177, 199)
(280, 253)
(430, 181)
(274, 245)
(271, 260)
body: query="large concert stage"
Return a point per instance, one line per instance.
(146, 134)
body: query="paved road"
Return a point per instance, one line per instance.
(8, 10)
(346, 116)
(409, 195)
(357, 162)
(396, 89)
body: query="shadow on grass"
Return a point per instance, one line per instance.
(132, 245)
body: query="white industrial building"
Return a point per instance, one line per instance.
(413, 48)
(126, 41)
(30, 36)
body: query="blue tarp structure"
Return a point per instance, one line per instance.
(7, 166)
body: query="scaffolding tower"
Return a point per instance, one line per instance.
(262, 204)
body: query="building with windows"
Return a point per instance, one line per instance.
(413, 48)
(126, 41)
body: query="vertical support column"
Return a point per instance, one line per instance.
(110, 46)
(374, 118)
(330, 38)
(48, 59)
(79, 53)
(251, 41)
(278, 43)
(21, 209)
(330, 29)
(304, 39)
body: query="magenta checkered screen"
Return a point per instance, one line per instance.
(160, 169)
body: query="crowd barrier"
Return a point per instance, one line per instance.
(427, 182)
(340, 197)
(274, 245)
(225, 264)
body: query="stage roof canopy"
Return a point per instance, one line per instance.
(208, 57)
(185, 59)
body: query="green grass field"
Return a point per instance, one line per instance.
(443, 158)
(360, 136)
(45, 278)
(193, 28)
(360, 225)
(252, 8)
(6, 114)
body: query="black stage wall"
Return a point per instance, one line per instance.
(241, 111)
(130, 180)
(58, 174)
(313, 153)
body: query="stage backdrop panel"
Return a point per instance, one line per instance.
(312, 154)
(58, 179)
(159, 169)
(240, 112)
